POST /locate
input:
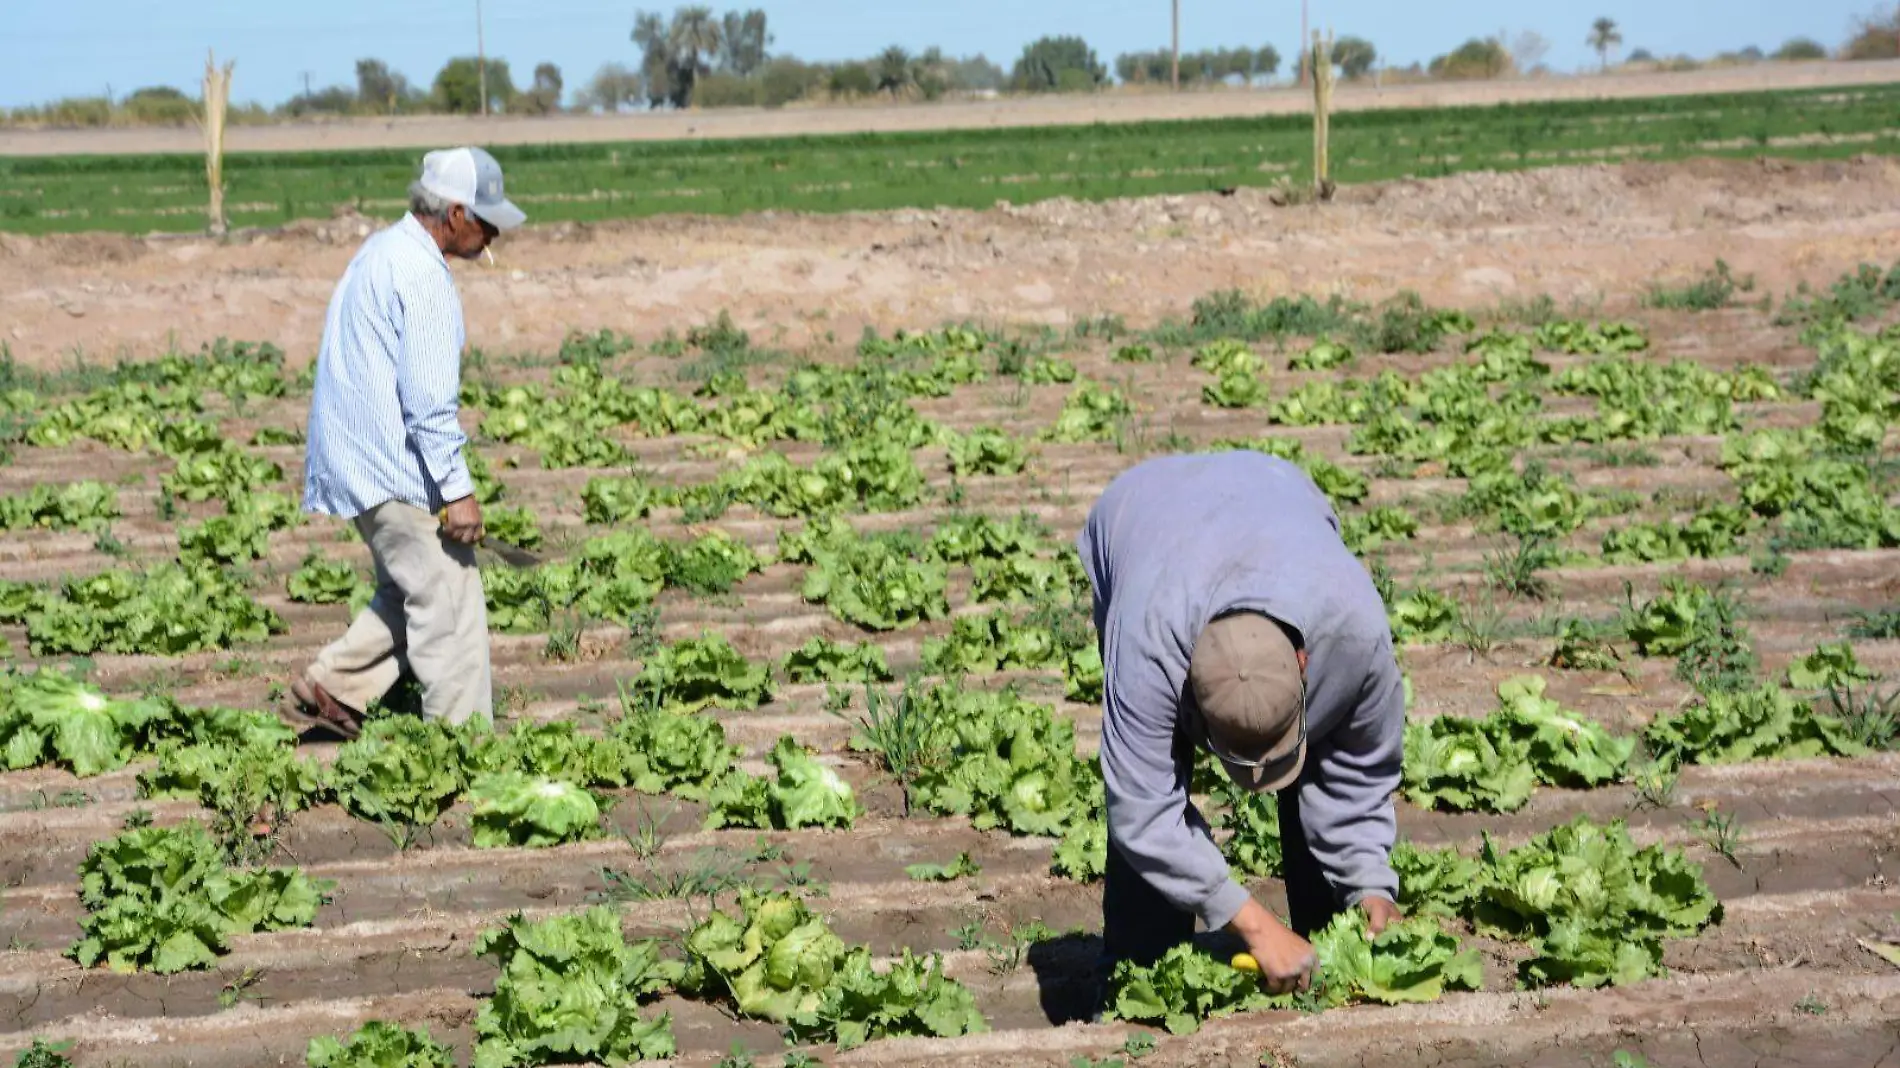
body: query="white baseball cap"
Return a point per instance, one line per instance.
(471, 177)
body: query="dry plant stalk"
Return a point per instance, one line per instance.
(1322, 67)
(217, 95)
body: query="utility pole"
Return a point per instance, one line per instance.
(306, 85)
(481, 57)
(1174, 66)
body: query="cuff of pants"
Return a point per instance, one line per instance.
(352, 692)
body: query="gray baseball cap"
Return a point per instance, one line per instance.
(1245, 677)
(471, 177)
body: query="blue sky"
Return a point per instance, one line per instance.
(54, 48)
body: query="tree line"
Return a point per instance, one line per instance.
(696, 58)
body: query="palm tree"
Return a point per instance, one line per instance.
(1604, 36)
(694, 39)
(649, 31)
(656, 57)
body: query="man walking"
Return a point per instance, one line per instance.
(386, 453)
(1232, 617)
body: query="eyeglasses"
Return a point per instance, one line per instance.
(1207, 737)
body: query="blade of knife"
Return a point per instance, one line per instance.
(507, 552)
(512, 555)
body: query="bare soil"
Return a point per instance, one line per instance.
(1589, 237)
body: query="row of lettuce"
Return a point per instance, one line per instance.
(1809, 488)
(48, 719)
(1591, 907)
(569, 987)
(991, 756)
(885, 581)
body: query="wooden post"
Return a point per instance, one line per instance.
(1320, 60)
(217, 97)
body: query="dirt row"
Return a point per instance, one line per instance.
(1785, 952)
(411, 920)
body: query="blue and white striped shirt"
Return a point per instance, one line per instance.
(382, 417)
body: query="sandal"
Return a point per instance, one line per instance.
(319, 714)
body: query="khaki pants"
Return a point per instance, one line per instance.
(428, 614)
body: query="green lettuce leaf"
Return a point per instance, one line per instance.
(161, 899)
(822, 660)
(1437, 882)
(739, 799)
(808, 794)
(402, 769)
(515, 809)
(1181, 990)
(962, 866)
(378, 1044)
(912, 997)
(1730, 727)
(1464, 765)
(702, 672)
(778, 961)
(1564, 748)
(570, 990)
(655, 749)
(83, 727)
(1253, 847)
(1411, 960)
(1082, 854)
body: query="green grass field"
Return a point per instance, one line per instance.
(972, 168)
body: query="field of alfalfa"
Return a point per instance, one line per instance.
(796, 722)
(557, 182)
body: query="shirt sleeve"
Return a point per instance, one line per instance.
(1346, 802)
(428, 381)
(1148, 800)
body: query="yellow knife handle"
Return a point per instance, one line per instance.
(1244, 962)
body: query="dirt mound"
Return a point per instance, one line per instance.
(1591, 235)
(1601, 192)
(71, 250)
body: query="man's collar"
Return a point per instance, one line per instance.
(413, 229)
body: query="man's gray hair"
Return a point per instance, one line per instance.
(426, 205)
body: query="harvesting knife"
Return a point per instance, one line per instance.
(512, 555)
(509, 553)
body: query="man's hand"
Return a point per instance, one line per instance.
(462, 521)
(1286, 960)
(1380, 913)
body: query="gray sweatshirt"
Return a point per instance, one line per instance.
(1177, 541)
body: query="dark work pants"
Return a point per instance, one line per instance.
(1139, 924)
